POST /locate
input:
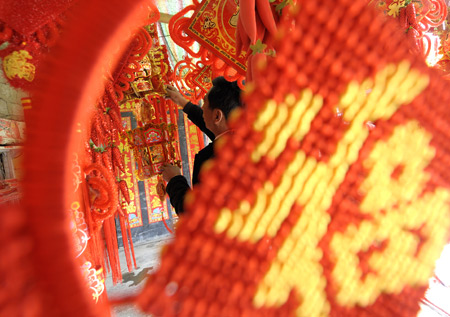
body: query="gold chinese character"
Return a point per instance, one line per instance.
(16, 64)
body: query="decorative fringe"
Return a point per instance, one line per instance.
(127, 242)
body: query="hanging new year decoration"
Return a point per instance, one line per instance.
(105, 192)
(212, 25)
(155, 140)
(152, 72)
(193, 80)
(234, 37)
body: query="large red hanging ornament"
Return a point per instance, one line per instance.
(212, 25)
(153, 144)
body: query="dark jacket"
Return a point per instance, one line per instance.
(178, 185)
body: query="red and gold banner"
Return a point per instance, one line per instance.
(156, 208)
(213, 25)
(134, 207)
(192, 141)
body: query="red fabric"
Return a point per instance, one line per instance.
(26, 17)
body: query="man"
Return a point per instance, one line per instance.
(212, 119)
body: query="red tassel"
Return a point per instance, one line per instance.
(164, 109)
(95, 243)
(100, 252)
(115, 254)
(157, 114)
(106, 263)
(131, 242)
(112, 247)
(126, 247)
(108, 252)
(165, 225)
(171, 112)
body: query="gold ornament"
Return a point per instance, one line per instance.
(16, 64)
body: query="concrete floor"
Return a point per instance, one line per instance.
(147, 260)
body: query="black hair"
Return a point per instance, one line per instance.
(224, 95)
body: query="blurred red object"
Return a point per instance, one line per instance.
(25, 17)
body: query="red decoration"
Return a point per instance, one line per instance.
(106, 126)
(192, 80)
(155, 141)
(31, 28)
(213, 26)
(124, 73)
(25, 17)
(133, 209)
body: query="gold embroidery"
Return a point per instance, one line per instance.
(16, 64)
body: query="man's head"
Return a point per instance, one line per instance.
(223, 97)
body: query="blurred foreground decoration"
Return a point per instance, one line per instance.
(28, 31)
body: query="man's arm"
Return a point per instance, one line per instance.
(177, 189)
(194, 112)
(177, 186)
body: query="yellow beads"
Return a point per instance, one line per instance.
(225, 219)
(397, 265)
(397, 208)
(409, 149)
(380, 97)
(292, 118)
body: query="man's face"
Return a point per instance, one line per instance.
(208, 114)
